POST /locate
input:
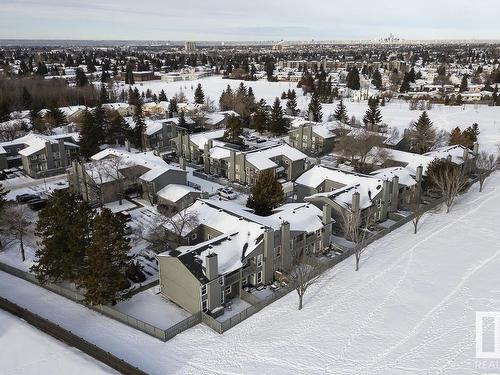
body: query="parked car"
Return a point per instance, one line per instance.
(24, 198)
(124, 216)
(227, 193)
(38, 204)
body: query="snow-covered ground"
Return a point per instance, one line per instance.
(409, 310)
(396, 113)
(26, 350)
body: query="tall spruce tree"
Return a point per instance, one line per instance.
(377, 79)
(199, 96)
(90, 135)
(106, 261)
(291, 104)
(314, 110)
(340, 113)
(162, 97)
(234, 129)
(464, 85)
(140, 126)
(422, 135)
(172, 108)
(373, 117)
(62, 228)
(266, 194)
(260, 118)
(353, 79)
(277, 123)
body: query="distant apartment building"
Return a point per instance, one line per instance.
(189, 46)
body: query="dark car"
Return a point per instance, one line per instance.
(24, 198)
(38, 204)
(135, 274)
(124, 216)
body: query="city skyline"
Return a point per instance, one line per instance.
(256, 21)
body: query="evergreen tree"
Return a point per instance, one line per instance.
(277, 124)
(377, 79)
(63, 229)
(464, 86)
(353, 79)
(471, 133)
(129, 75)
(3, 200)
(405, 86)
(266, 194)
(340, 113)
(172, 108)
(117, 130)
(26, 98)
(140, 126)
(291, 104)
(314, 110)
(199, 96)
(106, 261)
(162, 97)
(55, 117)
(260, 119)
(373, 117)
(422, 135)
(81, 78)
(234, 129)
(90, 135)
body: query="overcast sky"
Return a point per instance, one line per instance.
(249, 19)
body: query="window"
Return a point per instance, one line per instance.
(259, 260)
(204, 305)
(222, 298)
(221, 280)
(320, 189)
(318, 233)
(277, 252)
(259, 277)
(203, 290)
(194, 236)
(209, 236)
(227, 290)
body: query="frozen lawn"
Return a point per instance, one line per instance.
(26, 350)
(395, 114)
(153, 309)
(409, 310)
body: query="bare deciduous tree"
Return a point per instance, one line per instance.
(417, 210)
(17, 224)
(449, 179)
(485, 164)
(358, 145)
(305, 272)
(169, 228)
(356, 230)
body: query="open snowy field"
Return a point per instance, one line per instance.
(395, 114)
(409, 310)
(26, 350)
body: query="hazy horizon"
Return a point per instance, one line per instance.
(224, 20)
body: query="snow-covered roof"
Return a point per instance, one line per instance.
(156, 165)
(200, 139)
(153, 126)
(175, 192)
(239, 237)
(303, 217)
(412, 161)
(2, 150)
(456, 152)
(262, 159)
(403, 174)
(218, 153)
(367, 186)
(35, 143)
(214, 118)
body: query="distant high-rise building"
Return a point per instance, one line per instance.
(190, 46)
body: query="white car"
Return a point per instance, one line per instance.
(227, 193)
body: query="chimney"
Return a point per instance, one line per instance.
(466, 154)
(182, 163)
(420, 172)
(268, 261)
(211, 266)
(395, 194)
(286, 252)
(476, 149)
(355, 202)
(327, 214)
(386, 190)
(127, 145)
